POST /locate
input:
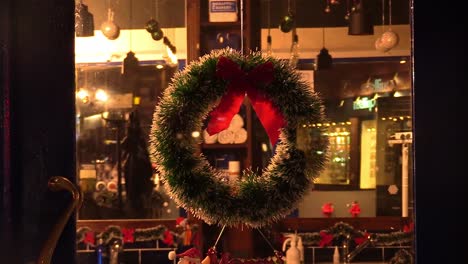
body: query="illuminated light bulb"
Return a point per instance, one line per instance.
(159, 66)
(403, 61)
(264, 147)
(195, 134)
(101, 95)
(82, 94)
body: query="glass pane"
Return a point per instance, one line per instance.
(121, 72)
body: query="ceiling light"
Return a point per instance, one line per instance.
(360, 20)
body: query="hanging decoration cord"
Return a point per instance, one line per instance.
(383, 15)
(242, 25)
(390, 13)
(131, 26)
(219, 236)
(323, 37)
(264, 237)
(269, 16)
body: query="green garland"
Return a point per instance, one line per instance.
(343, 230)
(140, 234)
(257, 199)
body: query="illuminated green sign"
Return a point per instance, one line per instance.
(363, 103)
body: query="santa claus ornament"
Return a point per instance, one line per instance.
(354, 209)
(190, 256)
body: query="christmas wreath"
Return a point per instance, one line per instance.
(212, 89)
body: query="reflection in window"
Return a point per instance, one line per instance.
(114, 114)
(337, 168)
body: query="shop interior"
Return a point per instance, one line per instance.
(356, 55)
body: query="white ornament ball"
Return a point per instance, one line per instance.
(379, 47)
(389, 39)
(110, 30)
(171, 255)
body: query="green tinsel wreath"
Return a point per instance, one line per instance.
(256, 199)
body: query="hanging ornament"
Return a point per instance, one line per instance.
(157, 35)
(152, 26)
(327, 8)
(294, 59)
(287, 23)
(379, 46)
(269, 39)
(109, 29)
(389, 39)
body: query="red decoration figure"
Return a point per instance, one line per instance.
(355, 210)
(327, 209)
(89, 238)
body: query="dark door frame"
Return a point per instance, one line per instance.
(38, 128)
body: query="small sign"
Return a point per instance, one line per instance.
(363, 103)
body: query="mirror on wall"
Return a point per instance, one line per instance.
(126, 53)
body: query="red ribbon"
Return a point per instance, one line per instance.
(128, 235)
(326, 239)
(243, 83)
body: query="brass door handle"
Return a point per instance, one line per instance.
(55, 184)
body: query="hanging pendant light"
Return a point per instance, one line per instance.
(84, 21)
(130, 64)
(360, 20)
(324, 60)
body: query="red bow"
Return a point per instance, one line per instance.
(326, 239)
(89, 238)
(128, 235)
(240, 84)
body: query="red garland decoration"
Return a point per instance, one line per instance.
(168, 238)
(128, 235)
(355, 209)
(89, 238)
(408, 228)
(327, 209)
(240, 84)
(326, 239)
(360, 240)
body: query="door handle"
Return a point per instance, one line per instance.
(55, 184)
